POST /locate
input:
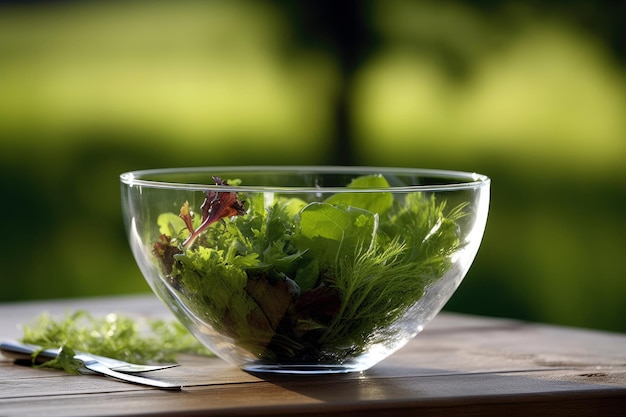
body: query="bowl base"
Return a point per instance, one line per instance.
(300, 369)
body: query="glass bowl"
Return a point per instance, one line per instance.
(304, 269)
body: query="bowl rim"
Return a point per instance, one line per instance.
(457, 179)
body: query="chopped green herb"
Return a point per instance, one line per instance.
(296, 282)
(64, 360)
(114, 335)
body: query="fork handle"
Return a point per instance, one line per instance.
(16, 350)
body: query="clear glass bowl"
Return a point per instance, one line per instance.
(304, 269)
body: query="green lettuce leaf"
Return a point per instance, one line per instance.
(375, 202)
(332, 232)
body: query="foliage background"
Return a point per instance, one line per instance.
(530, 93)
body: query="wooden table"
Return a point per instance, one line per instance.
(460, 365)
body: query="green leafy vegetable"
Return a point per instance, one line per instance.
(374, 202)
(115, 336)
(318, 282)
(64, 360)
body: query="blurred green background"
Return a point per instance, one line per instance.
(531, 93)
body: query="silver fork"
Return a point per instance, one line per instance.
(18, 350)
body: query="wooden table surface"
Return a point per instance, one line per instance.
(459, 365)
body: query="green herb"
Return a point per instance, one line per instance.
(114, 335)
(296, 282)
(64, 360)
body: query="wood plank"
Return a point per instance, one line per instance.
(512, 393)
(459, 365)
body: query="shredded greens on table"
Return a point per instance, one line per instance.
(114, 335)
(291, 281)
